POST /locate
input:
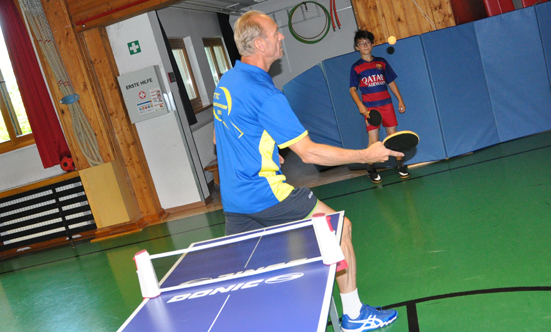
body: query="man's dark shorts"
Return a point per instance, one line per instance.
(298, 205)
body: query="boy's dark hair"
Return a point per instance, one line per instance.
(363, 34)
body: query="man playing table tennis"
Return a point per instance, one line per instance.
(252, 119)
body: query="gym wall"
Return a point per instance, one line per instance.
(465, 87)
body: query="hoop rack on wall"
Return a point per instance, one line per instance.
(283, 19)
(304, 7)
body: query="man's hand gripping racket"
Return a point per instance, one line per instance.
(401, 141)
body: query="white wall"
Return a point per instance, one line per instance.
(136, 28)
(168, 161)
(194, 26)
(23, 166)
(180, 23)
(298, 56)
(162, 141)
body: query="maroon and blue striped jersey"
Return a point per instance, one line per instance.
(372, 78)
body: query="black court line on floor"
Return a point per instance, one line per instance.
(435, 173)
(411, 305)
(106, 249)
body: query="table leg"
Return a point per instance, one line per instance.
(335, 320)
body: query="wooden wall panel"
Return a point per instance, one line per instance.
(69, 46)
(417, 21)
(442, 13)
(85, 9)
(402, 18)
(125, 136)
(88, 60)
(89, 14)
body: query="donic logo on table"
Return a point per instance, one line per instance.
(236, 287)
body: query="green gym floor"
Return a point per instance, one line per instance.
(462, 245)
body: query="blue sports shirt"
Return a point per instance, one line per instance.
(372, 78)
(252, 118)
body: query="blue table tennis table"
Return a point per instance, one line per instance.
(274, 281)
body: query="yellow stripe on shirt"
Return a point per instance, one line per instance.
(293, 141)
(269, 168)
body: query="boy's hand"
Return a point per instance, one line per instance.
(401, 107)
(363, 110)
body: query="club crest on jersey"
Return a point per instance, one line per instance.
(379, 66)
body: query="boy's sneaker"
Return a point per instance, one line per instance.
(403, 171)
(374, 176)
(370, 318)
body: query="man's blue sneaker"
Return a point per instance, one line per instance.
(370, 318)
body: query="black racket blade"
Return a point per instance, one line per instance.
(401, 141)
(375, 118)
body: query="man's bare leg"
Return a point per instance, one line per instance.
(346, 279)
(355, 315)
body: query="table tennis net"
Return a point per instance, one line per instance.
(242, 255)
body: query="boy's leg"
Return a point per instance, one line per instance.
(373, 136)
(371, 171)
(402, 169)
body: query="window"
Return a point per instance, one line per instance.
(15, 131)
(216, 54)
(179, 51)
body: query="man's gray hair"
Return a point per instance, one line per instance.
(248, 28)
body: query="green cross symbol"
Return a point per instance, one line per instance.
(134, 47)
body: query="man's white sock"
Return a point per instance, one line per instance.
(351, 304)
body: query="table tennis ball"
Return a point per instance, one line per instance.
(392, 40)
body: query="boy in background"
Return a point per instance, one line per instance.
(373, 76)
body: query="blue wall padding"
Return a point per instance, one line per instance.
(408, 62)
(543, 12)
(512, 56)
(350, 122)
(311, 102)
(407, 58)
(465, 87)
(460, 89)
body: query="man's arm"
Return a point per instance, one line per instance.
(361, 106)
(327, 155)
(394, 88)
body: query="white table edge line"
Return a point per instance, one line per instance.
(252, 273)
(234, 240)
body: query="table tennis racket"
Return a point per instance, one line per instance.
(375, 118)
(401, 141)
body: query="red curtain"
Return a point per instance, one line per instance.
(496, 7)
(465, 11)
(47, 132)
(528, 3)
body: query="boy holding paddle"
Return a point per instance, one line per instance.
(373, 76)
